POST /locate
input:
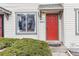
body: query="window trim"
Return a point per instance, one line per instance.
(76, 21)
(27, 33)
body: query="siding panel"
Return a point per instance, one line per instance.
(9, 25)
(69, 25)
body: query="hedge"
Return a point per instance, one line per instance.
(24, 47)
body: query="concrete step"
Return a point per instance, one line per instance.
(54, 43)
(58, 49)
(59, 54)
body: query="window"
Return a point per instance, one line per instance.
(77, 20)
(25, 23)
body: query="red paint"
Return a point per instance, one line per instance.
(52, 26)
(0, 26)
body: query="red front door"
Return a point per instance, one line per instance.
(52, 26)
(0, 26)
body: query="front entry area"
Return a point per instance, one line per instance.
(52, 26)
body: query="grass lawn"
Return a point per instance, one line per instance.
(23, 47)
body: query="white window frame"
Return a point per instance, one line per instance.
(77, 21)
(35, 32)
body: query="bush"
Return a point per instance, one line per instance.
(6, 42)
(24, 47)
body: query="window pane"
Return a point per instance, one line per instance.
(22, 22)
(30, 23)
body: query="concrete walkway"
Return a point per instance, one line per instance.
(59, 51)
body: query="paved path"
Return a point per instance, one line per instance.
(59, 51)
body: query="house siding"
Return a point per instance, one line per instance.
(9, 25)
(42, 27)
(67, 25)
(71, 40)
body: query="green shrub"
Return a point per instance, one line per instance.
(25, 47)
(10, 52)
(6, 42)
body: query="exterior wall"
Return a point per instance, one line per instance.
(9, 25)
(71, 40)
(42, 27)
(66, 23)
